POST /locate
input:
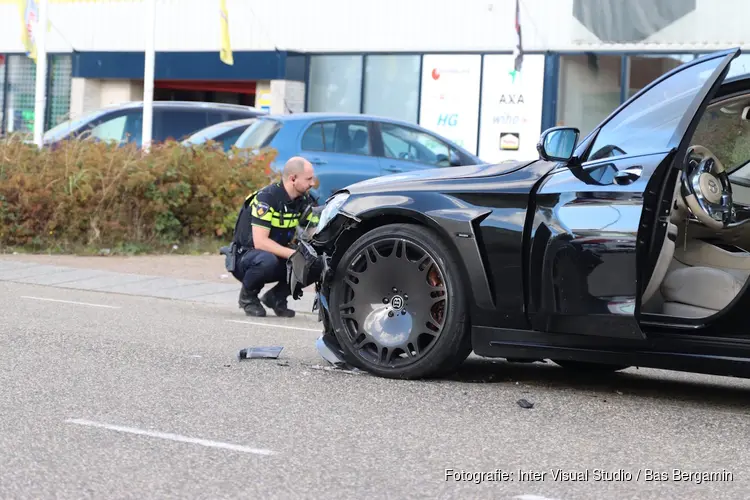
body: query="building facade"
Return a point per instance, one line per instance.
(444, 64)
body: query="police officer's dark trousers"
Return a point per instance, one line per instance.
(256, 268)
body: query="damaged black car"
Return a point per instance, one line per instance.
(628, 247)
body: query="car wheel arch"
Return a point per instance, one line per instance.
(382, 216)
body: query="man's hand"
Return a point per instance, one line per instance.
(261, 241)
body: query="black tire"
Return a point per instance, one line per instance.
(586, 367)
(452, 344)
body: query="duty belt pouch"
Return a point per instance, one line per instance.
(230, 257)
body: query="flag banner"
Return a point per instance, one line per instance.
(226, 47)
(29, 11)
(518, 50)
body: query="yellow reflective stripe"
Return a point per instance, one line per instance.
(313, 218)
(267, 216)
(284, 223)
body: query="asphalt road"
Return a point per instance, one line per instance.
(116, 396)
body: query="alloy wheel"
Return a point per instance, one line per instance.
(395, 300)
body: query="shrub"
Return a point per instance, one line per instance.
(83, 193)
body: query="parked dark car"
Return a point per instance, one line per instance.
(628, 248)
(348, 148)
(172, 120)
(224, 133)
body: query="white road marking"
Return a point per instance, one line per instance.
(532, 497)
(170, 437)
(275, 325)
(70, 302)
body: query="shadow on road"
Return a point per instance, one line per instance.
(643, 383)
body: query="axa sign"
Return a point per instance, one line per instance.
(447, 120)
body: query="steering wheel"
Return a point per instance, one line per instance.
(706, 188)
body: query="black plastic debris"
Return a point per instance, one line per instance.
(525, 404)
(271, 352)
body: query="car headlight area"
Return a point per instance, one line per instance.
(332, 207)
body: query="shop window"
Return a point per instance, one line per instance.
(19, 106)
(739, 66)
(2, 94)
(644, 69)
(335, 84)
(58, 93)
(392, 86)
(589, 90)
(21, 84)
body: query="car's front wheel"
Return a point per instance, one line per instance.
(397, 304)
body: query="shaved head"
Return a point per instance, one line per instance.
(298, 176)
(296, 165)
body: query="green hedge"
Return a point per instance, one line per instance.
(95, 195)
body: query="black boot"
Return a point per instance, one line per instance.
(250, 303)
(245, 297)
(279, 307)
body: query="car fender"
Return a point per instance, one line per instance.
(455, 222)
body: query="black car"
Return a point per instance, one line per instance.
(627, 248)
(123, 123)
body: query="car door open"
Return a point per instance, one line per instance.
(597, 224)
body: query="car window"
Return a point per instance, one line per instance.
(725, 129)
(349, 137)
(229, 137)
(259, 134)
(647, 124)
(177, 124)
(118, 127)
(406, 143)
(110, 130)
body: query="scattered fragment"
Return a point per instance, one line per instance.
(525, 404)
(349, 371)
(271, 352)
(223, 276)
(618, 392)
(283, 363)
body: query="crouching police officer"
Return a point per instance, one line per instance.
(265, 228)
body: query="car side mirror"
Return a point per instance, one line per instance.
(455, 160)
(558, 143)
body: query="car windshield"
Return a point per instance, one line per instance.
(59, 131)
(259, 134)
(214, 132)
(725, 130)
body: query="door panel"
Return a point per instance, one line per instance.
(589, 232)
(584, 244)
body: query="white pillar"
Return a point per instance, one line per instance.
(149, 58)
(40, 93)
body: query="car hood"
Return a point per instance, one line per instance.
(424, 178)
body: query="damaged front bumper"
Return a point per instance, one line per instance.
(311, 265)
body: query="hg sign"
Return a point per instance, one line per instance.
(449, 120)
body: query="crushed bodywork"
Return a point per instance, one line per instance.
(311, 265)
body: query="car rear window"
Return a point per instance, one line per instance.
(259, 134)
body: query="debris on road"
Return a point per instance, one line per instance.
(525, 404)
(271, 352)
(350, 371)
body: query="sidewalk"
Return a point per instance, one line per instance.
(167, 277)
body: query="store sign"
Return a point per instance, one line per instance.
(450, 97)
(511, 108)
